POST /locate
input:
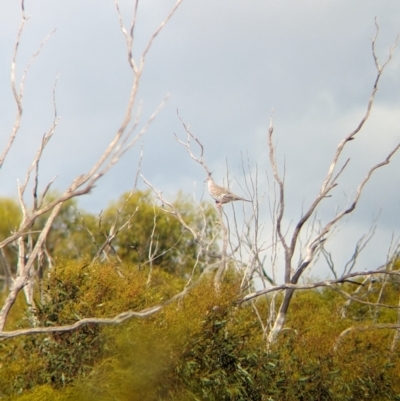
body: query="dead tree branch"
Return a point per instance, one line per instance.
(293, 274)
(125, 137)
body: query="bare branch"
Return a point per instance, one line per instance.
(364, 328)
(69, 327)
(157, 31)
(188, 148)
(315, 242)
(19, 94)
(81, 185)
(325, 283)
(281, 201)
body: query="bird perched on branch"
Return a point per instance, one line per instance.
(221, 194)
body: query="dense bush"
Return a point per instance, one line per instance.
(204, 346)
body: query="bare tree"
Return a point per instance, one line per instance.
(245, 245)
(30, 251)
(289, 244)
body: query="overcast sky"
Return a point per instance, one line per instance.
(226, 64)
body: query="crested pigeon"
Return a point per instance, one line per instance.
(221, 194)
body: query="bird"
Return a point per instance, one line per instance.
(221, 194)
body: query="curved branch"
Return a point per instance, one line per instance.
(364, 328)
(69, 327)
(325, 283)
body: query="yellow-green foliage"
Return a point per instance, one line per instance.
(151, 231)
(85, 289)
(203, 346)
(10, 215)
(17, 316)
(154, 232)
(146, 352)
(73, 234)
(10, 218)
(132, 361)
(361, 366)
(72, 291)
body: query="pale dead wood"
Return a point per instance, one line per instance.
(152, 252)
(199, 236)
(187, 146)
(236, 239)
(224, 257)
(18, 93)
(124, 139)
(70, 327)
(169, 208)
(396, 336)
(281, 201)
(324, 283)
(105, 321)
(331, 180)
(382, 326)
(223, 220)
(114, 230)
(369, 280)
(315, 242)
